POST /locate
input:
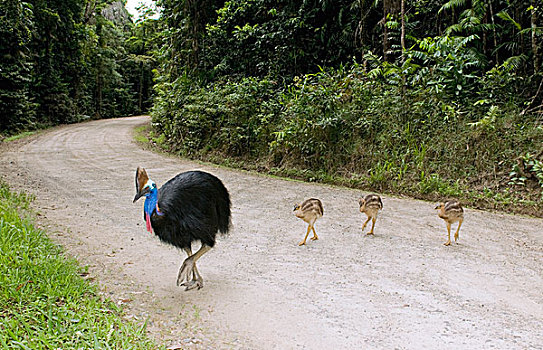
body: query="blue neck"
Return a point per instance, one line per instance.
(151, 201)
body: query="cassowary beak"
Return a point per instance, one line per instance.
(140, 194)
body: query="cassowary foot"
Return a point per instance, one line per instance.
(185, 271)
(447, 243)
(314, 238)
(194, 283)
(369, 234)
(301, 243)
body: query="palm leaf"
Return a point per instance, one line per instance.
(506, 17)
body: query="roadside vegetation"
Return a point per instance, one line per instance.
(44, 301)
(428, 99)
(330, 127)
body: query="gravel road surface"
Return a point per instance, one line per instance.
(400, 289)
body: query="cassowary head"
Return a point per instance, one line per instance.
(143, 184)
(362, 204)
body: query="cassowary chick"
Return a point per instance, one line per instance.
(309, 211)
(370, 205)
(451, 212)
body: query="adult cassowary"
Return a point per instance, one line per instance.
(192, 206)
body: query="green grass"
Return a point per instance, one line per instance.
(146, 137)
(140, 134)
(19, 136)
(44, 302)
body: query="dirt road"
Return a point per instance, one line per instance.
(401, 289)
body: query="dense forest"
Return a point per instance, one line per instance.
(426, 98)
(65, 61)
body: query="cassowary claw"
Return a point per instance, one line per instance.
(185, 271)
(192, 284)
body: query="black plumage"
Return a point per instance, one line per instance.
(192, 206)
(195, 205)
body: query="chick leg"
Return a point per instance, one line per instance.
(315, 237)
(307, 234)
(449, 233)
(364, 226)
(373, 219)
(197, 280)
(457, 230)
(189, 266)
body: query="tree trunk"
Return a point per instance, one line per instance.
(98, 112)
(402, 37)
(392, 8)
(485, 36)
(402, 42)
(386, 44)
(518, 18)
(360, 32)
(494, 33)
(89, 11)
(535, 47)
(140, 89)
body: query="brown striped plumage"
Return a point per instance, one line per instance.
(309, 211)
(451, 212)
(370, 205)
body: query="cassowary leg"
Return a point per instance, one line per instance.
(449, 233)
(188, 268)
(457, 229)
(307, 234)
(364, 226)
(315, 237)
(197, 280)
(373, 219)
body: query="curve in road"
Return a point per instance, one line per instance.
(399, 289)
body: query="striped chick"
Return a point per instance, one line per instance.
(451, 212)
(370, 205)
(309, 210)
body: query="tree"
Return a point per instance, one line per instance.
(391, 9)
(16, 107)
(142, 47)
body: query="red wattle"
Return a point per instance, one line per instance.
(148, 223)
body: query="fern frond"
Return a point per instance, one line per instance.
(452, 4)
(455, 28)
(514, 62)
